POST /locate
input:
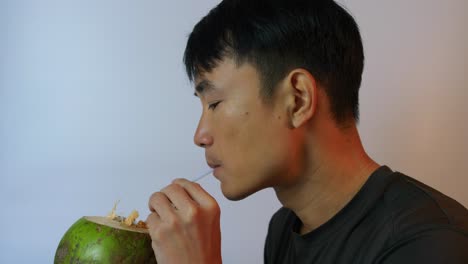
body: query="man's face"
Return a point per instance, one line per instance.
(247, 141)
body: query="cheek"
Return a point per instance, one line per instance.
(260, 140)
(228, 134)
(247, 136)
(235, 119)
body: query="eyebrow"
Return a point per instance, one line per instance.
(204, 87)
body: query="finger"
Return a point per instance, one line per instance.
(197, 193)
(160, 204)
(153, 220)
(179, 197)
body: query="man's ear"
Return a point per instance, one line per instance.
(304, 91)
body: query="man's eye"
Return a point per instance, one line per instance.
(213, 105)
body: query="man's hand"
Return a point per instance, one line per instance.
(185, 224)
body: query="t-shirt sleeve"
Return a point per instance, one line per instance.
(434, 247)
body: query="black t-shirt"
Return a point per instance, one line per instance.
(392, 219)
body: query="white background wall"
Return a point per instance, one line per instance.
(95, 107)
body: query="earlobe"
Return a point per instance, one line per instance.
(304, 88)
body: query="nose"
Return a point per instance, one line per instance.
(203, 137)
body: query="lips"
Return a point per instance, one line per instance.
(212, 165)
(212, 162)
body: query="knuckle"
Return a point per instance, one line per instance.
(163, 231)
(160, 196)
(179, 180)
(150, 219)
(176, 187)
(166, 189)
(157, 235)
(193, 212)
(172, 223)
(151, 201)
(157, 200)
(214, 208)
(155, 196)
(172, 188)
(196, 186)
(212, 205)
(151, 197)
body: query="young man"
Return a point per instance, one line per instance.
(278, 81)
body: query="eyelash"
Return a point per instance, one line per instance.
(213, 105)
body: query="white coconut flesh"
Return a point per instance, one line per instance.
(114, 224)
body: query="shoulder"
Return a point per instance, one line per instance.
(426, 225)
(432, 246)
(415, 206)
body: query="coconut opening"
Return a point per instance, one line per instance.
(128, 221)
(114, 224)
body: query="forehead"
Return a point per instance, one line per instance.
(221, 71)
(225, 75)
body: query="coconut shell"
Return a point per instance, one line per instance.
(102, 240)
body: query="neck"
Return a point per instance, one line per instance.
(335, 169)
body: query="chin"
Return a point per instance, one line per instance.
(235, 197)
(236, 194)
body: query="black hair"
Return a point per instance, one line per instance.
(277, 36)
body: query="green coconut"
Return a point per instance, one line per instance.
(102, 240)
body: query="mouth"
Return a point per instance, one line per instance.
(213, 165)
(212, 161)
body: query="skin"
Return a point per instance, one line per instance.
(289, 143)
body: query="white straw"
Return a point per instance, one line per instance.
(202, 176)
